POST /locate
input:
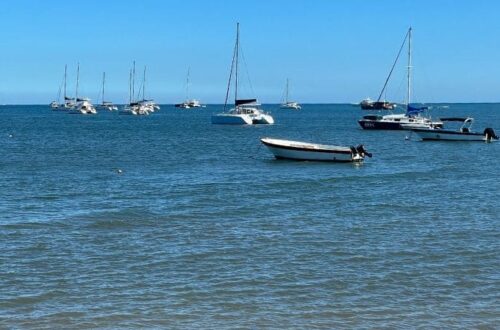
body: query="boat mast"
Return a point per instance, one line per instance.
(231, 71)
(408, 96)
(130, 86)
(286, 93)
(237, 54)
(77, 80)
(65, 74)
(144, 84)
(133, 81)
(187, 85)
(103, 81)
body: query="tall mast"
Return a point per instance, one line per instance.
(408, 96)
(187, 85)
(144, 84)
(130, 87)
(65, 73)
(286, 93)
(77, 80)
(103, 82)
(237, 55)
(133, 81)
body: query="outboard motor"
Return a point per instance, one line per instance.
(361, 150)
(489, 133)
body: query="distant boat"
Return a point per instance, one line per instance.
(69, 102)
(189, 103)
(245, 111)
(143, 107)
(412, 118)
(287, 104)
(83, 105)
(464, 133)
(296, 150)
(106, 105)
(55, 105)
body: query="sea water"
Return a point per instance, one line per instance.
(168, 221)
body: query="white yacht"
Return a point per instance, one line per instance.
(287, 104)
(82, 105)
(189, 103)
(69, 102)
(137, 108)
(245, 111)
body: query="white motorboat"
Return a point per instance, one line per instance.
(287, 104)
(413, 117)
(296, 150)
(464, 133)
(82, 105)
(245, 111)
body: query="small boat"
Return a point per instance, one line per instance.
(296, 150)
(82, 105)
(189, 103)
(245, 111)
(464, 133)
(413, 117)
(287, 104)
(368, 104)
(69, 102)
(143, 107)
(106, 105)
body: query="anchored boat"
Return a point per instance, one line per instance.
(464, 133)
(296, 150)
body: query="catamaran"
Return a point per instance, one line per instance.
(83, 105)
(245, 111)
(287, 104)
(412, 118)
(135, 107)
(189, 103)
(105, 105)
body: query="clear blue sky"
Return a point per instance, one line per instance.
(332, 50)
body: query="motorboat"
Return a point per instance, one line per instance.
(368, 104)
(297, 150)
(287, 104)
(245, 111)
(463, 133)
(413, 117)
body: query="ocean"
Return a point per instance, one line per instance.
(204, 229)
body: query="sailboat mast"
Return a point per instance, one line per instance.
(144, 84)
(130, 86)
(408, 96)
(77, 80)
(237, 55)
(187, 84)
(133, 80)
(286, 92)
(65, 74)
(103, 82)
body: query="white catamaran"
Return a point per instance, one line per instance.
(287, 104)
(83, 105)
(245, 111)
(189, 103)
(105, 105)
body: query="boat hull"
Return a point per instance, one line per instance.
(263, 119)
(446, 135)
(382, 125)
(232, 119)
(293, 150)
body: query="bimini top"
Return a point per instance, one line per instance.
(456, 119)
(244, 101)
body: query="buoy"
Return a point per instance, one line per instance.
(119, 171)
(10, 135)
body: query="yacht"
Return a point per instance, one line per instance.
(413, 117)
(189, 103)
(69, 102)
(82, 105)
(287, 104)
(245, 111)
(106, 105)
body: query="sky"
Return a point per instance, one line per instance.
(333, 51)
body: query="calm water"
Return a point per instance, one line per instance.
(204, 229)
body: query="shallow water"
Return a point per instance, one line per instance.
(204, 229)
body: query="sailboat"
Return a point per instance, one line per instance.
(287, 104)
(245, 111)
(189, 103)
(83, 105)
(55, 105)
(411, 119)
(135, 107)
(145, 104)
(105, 105)
(69, 102)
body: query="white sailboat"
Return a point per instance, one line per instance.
(135, 107)
(189, 103)
(245, 111)
(147, 105)
(105, 105)
(56, 105)
(413, 117)
(287, 104)
(69, 102)
(83, 105)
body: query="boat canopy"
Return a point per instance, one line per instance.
(414, 110)
(455, 119)
(244, 101)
